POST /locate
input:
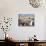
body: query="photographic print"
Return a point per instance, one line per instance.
(26, 20)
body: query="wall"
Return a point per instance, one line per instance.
(11, 8)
